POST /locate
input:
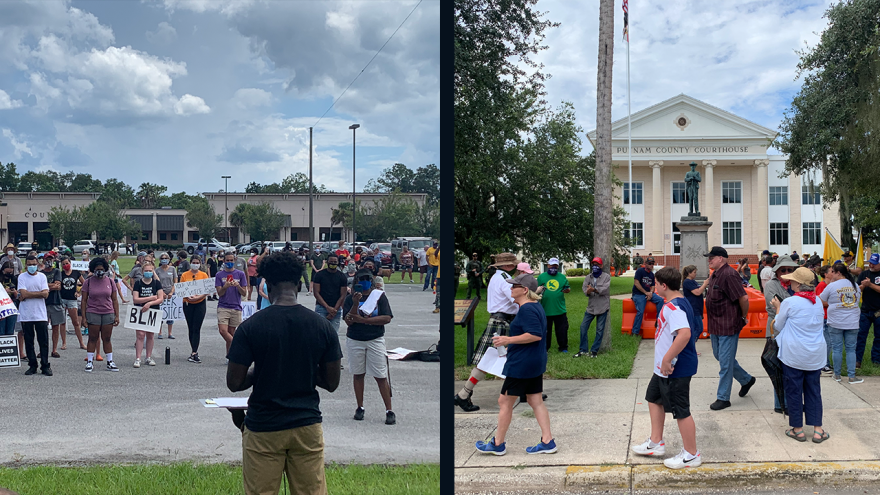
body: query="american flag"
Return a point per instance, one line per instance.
(626, 20)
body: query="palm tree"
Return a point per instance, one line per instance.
(602, 213)
(337, 217)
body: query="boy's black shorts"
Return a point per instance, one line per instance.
(674, 394)
(518, 387)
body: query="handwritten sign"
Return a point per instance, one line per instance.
(248, 308)
(7, 307)
(148, 321)
(9, 352)
(82, 266)
(195, 288)
(172, 309)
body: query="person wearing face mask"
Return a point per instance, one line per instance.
(102, 312)
(10, 256)
(367, 311)
(33, 289)
(433, 255)
(331, 287)
(136, 272)
(194, 308)
(167, 276)
(553, 300)
(378, 282)
(231, 286)
(70, 280)
(147, 294)
(54, 309)
(252, 272)
(597, 288)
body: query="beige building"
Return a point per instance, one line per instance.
(24, 216)
(744, 192)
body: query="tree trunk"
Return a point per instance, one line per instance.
(602, 211)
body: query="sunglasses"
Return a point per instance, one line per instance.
(365, 278)
(785, 271)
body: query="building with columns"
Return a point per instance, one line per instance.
(753, 205)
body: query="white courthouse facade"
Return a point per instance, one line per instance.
(752, 208)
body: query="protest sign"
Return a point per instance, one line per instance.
(7, 307)
(248, 308)
(195, 288)
(82, 266)
(9, 352)
(148, 321)
(172, 309)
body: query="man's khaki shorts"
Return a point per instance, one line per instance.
(229, 317)
(299, 452)
(367, 357)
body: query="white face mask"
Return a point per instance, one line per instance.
(195, 268)
(10, 253)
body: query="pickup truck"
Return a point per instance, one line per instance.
(212, 246)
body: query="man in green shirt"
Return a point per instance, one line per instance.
(316, 259)
(553, 300)
(474, 276)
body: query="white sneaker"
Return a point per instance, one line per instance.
(150, 362)
(683, 460)
(137, 363)
(856, 379)
(646, 449)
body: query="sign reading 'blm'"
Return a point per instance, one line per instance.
(147, 321)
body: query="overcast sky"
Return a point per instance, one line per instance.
(180, 92)
(736, 55)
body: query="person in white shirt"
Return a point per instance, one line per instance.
(33, 290)
(767, 272)
(423, 264)
(10, 256)
(502, 309)
(799, 321)
(841, 297)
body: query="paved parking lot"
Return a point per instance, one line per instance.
(152, 414)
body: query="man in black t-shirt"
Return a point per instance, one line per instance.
(54, 310)
(869, 281)
(293, 350)
(331, 286)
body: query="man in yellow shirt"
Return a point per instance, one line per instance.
(433, 254)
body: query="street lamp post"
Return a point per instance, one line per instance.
(353, 128)
(226, 200)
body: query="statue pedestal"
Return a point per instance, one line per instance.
(695, 243)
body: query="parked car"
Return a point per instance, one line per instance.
(213, 245)
(415, 244)
(23, 249)
(84, 244)
(246, 248)
(276, 246)
(382, 254)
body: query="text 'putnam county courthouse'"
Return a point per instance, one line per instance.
(750, 206)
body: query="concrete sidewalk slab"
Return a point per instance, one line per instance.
(468, 429)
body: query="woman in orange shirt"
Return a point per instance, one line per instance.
(194, 308)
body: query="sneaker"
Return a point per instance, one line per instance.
(543, 448)
(582, 354)
(137, 363)
(836, 377)
(31, 371)
(194, 359)
(683, 460)
(89, 367)
(719, 405)
(827, 370)
(465, 404)
(646, 449)
(359, 414)
(172, 337)
(594, 354)
(161, 336)
(564, 352)
(745, 388)
(111, 366)
(390, 418)
(856, 379)
(85, 331)
(490, 447)
(150, 362)
(47, 371)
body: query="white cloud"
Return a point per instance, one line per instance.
(227, 7)
(19, 145)
(246, 98)
(165, 34)
(189, 105)
(6, 102)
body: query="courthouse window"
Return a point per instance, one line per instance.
(812, 232)
(778, 196)
(732, 232)
(811, 197)
(637, 232)
(778, 234)
(679, 193)
(731, 192)
(636, 193)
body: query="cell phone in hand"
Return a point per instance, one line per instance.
(776, 296)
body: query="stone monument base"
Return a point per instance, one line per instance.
(694, 243)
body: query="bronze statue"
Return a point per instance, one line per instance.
(692, 179)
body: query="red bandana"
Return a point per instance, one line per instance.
(811, 296)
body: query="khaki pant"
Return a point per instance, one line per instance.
(299, 452)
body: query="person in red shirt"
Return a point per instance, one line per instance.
(342, 253)
(821, 271)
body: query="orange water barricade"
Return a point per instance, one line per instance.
(756, 327)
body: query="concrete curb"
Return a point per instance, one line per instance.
(647, 477)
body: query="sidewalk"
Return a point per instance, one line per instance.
(596, 421)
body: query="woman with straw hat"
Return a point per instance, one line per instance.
(799, 323)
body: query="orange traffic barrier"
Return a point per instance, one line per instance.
(756, 327)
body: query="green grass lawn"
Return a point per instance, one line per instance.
(212, 479)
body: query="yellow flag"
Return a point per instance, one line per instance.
(833, 251)
(860, 253)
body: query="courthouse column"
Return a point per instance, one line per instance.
(760, 212)
(656, 244)
(708, 209)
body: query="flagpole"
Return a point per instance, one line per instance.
(629, 142)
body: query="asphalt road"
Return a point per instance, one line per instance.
(152, 414)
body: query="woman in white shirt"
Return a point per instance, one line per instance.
(841, 297)
(799, 323)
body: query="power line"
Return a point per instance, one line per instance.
(368, 63)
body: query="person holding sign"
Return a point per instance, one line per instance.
(194, 308)
(102, 312)
(70, 280)
(9, 281)
(167, 276)
(53, 303)
(231, 286)
(33, 291)
(147, 293)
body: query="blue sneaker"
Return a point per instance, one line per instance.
(490, 447)
(543, 448)
(565, 351)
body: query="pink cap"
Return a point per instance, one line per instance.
(524, 267)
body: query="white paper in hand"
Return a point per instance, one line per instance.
(492, 363)
(370, 304)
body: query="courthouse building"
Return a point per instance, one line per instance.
(752, 204)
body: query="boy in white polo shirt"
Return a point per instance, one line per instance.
(675, 362)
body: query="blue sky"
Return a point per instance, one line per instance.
(738, 55)
(180, 92)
